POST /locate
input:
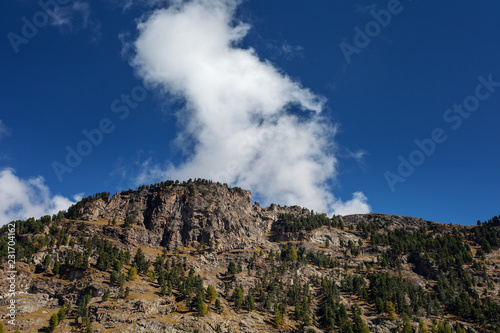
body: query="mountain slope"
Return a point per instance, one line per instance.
(143, 261)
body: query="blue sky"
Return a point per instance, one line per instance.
(315, 105)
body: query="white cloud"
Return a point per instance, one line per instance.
(358, 156)
(73, 17)
(24, 198)
(290, 51)
(4, 130)
(252, 125)
(66, 15)
(358, 204)
(60, 17)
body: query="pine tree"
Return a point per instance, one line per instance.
(250, 302)
(422, 327)
(433, 327)
(132, 273)
(202, 309)
(169, 285)
(88, 325)
(121, 280)
(140, 261)
(391, 311)
(61, 314)
(440, 327)
(293, 254)
(57, 267)
(238, 297)
(46, 262)
(218, 306)
(113, 278)
(278, 319)
(164, 289)
(359, 324)
(407, 324)
(212, 293)
(106, 294)
(53, 322)
(128, 222)
(232, 269)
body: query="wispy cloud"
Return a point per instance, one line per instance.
(23, 198)
(358, 155)
(291, 51)
(74, 17)
(4, 130)
(252, 125)
(285, 50)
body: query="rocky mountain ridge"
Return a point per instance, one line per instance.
(195, 212)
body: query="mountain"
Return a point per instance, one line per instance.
(199, 256)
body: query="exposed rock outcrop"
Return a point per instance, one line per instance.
(184, 216)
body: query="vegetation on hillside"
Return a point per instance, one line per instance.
(451, 259)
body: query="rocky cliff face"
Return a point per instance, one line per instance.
(186, 215)
(194, 213)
